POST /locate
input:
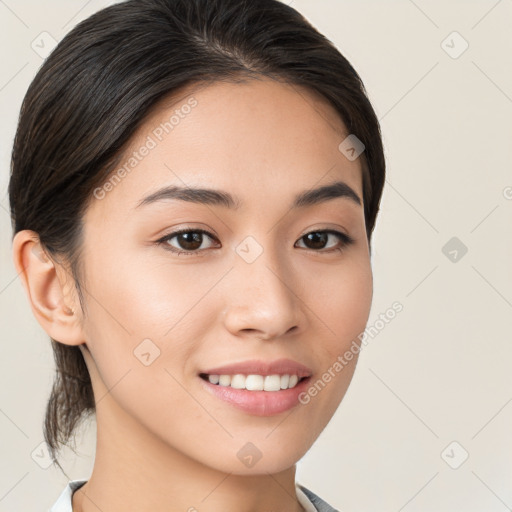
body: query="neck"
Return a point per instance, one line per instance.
(135, 470)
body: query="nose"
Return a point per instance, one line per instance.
(262, 299)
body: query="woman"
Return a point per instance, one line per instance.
(194, 188)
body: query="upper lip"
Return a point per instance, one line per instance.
(258, 367)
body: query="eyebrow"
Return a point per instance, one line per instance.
(208, 196)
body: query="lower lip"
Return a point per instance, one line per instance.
(259, 403)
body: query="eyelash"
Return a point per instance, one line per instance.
(345, 240)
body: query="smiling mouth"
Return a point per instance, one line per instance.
(255, 382)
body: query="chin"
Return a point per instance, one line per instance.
(273, 455)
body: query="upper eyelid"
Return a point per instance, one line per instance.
(206, 232)
(177, 232)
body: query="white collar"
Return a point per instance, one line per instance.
(304, 500)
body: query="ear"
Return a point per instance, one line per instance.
(50, 289)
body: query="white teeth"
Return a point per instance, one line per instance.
(238, 381)
(255, 382)
(225, 380)
(272, 383)
(293, 381)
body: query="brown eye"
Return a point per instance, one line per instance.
(190, 241)
(318, 240)
(186, 240)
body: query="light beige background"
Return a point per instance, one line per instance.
(440, 371)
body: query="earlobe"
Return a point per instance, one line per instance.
(49, 288)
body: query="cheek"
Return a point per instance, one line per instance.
(340, 298)
(145, 326)
(341, 301)
(146, 297)
(142, 330)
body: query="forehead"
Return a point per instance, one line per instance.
(257, 135)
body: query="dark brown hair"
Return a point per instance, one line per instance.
(101, 82)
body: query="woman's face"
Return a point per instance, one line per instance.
(264, 290)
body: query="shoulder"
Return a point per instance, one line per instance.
(319, 503)
(64, 502)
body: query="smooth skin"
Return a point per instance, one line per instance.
(163, 442)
